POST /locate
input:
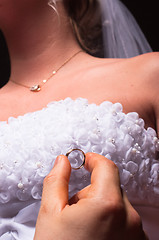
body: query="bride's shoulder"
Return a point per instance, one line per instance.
(148, 62)
(143, 68)
(146, 65)
(151, 56)
(151, 59)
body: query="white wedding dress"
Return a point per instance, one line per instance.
(29, 145)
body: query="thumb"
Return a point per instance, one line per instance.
(55, 187)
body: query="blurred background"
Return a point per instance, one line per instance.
(144, 11)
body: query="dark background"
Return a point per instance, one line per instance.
(147, 16)
(144, 11)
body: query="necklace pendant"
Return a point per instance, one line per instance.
(35, 88)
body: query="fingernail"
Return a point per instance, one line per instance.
(57, 160)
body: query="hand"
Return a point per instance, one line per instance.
(98, 212)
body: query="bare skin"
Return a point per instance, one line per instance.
(38, 43)
(132, 82)
(98, 212)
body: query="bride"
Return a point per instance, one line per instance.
(60, 96)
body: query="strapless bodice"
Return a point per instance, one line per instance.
(29, 145)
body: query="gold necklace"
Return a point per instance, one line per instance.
(37, 87)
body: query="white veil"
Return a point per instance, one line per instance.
(122, 37)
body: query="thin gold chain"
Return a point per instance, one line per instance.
(37, 87)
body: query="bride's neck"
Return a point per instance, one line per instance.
(38, 41)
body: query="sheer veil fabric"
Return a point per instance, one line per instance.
(122, 36)
(30, 143)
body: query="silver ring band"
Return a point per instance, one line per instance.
(83, 160)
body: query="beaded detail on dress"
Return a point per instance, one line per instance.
(29, 145)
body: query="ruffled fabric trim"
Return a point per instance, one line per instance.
(30, 144)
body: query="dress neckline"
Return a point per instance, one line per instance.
(53, 102)
(7, 122)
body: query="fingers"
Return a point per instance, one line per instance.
(105, 180)
(134, 223)
(55, 187)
